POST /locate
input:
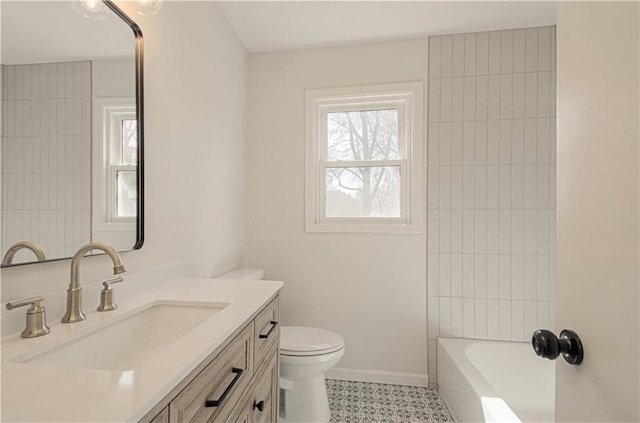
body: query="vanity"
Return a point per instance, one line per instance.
(193, 350)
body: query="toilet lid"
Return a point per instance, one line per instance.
(301, 340)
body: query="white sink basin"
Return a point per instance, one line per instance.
(121, 344)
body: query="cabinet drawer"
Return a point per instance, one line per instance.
(259, 404)
(214, 391)
(267, 331)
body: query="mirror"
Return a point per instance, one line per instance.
(72, 130)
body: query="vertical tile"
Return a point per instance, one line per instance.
(445, 187)
(530, 140)
(480, 231)
(19, 118)
(434, 100)
(445, 232)
(445, 317)
(552, 277)
(469, 98)
(26, 75)
(433, 190)
(482, 97)
(505, 187)
(493, 100)
(434, 144)
(60, 80)
(517, 141)
(86, 116)
(456, 275)
(86, 78)
(458, 55)
(470, 54)
(505, 141)
(530, 318)
(518, 95)
(544, 94)
(542, 229)
(445, 144)
(77, 116)
(553, 98)
(456, 231)
(531, 95)
(446, 48)
(494, 52)
(493, 142)
(518, 50)
(506, 51)
(433, 307)
(530, 278)
(468, 264)
(433, 274)
(530, 232)
(517, 321)
(480, 276)
(61, 117)
(433, 231)
(543, 315)
(468, 318)
(68, 80)
(481, 142)
(542, 278)
(457, 140)
(493, 319)
(19, 82)
(493, 276)
(542, 186)
(531, 50)
(456, 187)
(482, 53)
(552, 186)
(445, 99)
(77, 79)
(434, 57)
(468, 187)
(517, 232)
(456, 318)
(480, 318)
(468, 217)
(493, 228)
(505, 320)
(506, 96)
(543, 140)
(553, 48)
(11, 83)
(504, 231)
(517, 277)
(457, 99)
(480, 187)
(504, 265)
(469, 139)
(544, 48)
(493, 187)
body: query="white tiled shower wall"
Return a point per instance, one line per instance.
(491, 196)
(46, 118)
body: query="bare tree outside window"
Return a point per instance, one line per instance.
(370, 189)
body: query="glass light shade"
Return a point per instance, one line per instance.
(147, 7)
(92, 9)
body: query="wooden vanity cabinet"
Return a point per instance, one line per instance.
(239, 382)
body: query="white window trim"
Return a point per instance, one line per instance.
(104, 183)
(410, 97)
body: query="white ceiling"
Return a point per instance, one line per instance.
(52, 31)
(284, 25)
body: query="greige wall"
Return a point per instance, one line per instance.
(370, 288)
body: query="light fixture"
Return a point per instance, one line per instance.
(92, 9)
(147, 7)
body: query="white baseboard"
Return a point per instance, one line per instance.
(377, 376)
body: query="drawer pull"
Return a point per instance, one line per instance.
(258, 405)
(273, 326)
(216, 403)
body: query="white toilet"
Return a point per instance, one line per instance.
(306, 353)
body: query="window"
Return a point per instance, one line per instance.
(364, 161)
(117, 156)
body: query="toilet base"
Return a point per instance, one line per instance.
(304, 401)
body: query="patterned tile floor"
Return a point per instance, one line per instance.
(359, 402)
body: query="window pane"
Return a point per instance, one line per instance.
(362, 135)
(129, 142)
(363, 192)
(127, 194)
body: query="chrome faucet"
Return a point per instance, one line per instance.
(74, 291)
(29, 245)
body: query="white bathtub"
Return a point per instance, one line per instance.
(494, 381)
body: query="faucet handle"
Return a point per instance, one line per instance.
(36, 317)
(106, 295)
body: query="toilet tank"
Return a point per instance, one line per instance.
(242, 273)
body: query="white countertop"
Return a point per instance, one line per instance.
(32, 392)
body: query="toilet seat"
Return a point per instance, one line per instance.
(307, 341)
